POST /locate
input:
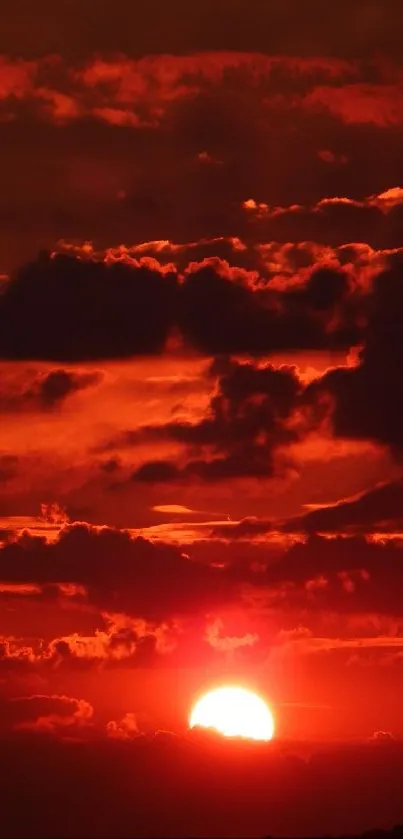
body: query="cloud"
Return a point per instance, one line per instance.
(137, 92)
(303, 642)
(47, 714)
(191, 768)
(91, 325)
(118, 641)
(119, 573)
(362, 102)
(248, 418)
(363, 398)
(124, 90)
(346, 574)
(301, 296)
(246, 528)
(124, 729)
(44, 391)
(175, 509)
(124, 642)
(383, 737)
(337, 35)
(226, 643)
(378, 509)
(226, 122)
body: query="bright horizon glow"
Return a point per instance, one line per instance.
(234, 712)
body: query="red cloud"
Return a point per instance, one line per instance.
(124, 729)
(47, 714)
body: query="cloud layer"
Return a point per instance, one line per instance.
(201, 364)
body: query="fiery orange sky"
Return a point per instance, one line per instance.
(201, 355)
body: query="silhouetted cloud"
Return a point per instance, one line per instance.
(48, 714)
(365, 403)
(99, 777)
(128, 306)
(248, 418)
(118, 572)
(200, 340)
(378, 509)
(47, 391)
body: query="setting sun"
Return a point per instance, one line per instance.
(234, 712)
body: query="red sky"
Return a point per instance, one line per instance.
(201, 355)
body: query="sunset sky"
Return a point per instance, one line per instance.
(201, 363)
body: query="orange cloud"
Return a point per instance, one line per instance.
(226, 643)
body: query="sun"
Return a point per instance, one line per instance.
(234, 712)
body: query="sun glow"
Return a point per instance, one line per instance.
(234, 712)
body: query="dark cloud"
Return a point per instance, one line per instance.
(247, 528)
(246, 321)
(378, 509)
(317, 574)
(365, 398)
(63, 308)
(45, 391)
(283, 792)
(255, 410)
(47, 714)
(157, 471)
(119, 573)
(282, 28)
(59, 384)
(346, 574)
(333, 222)
(247, 420)
(205, 189)
(169, 147)
(72, 307)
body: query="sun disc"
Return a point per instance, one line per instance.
(234, 712)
